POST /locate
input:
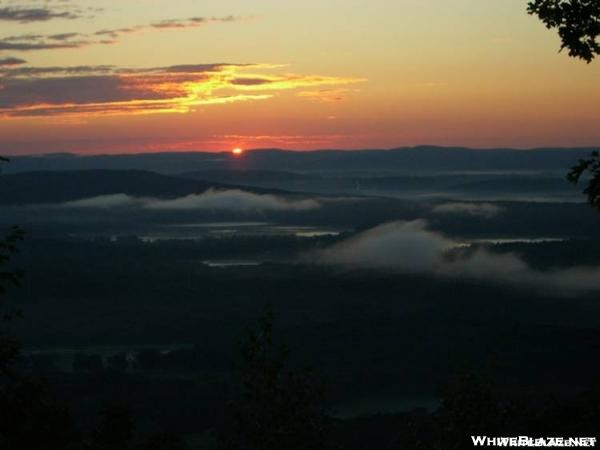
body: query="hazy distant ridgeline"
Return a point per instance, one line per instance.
(414, 159)
(62, 186)
(142, 203)
(418, 172)
(51, 187)
(54, 186)
(373, 183)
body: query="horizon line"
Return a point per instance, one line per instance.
(291, 150)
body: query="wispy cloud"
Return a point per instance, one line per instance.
(234, 200)
(31, 11)
(33, 45)
(192, 22)
(409, 247)
(109, 90)
(111, 201)
(11, 62)
(325, 95)
(485, 210)
(27, 15)
(72, 40)
(270, 82)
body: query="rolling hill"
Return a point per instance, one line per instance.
(63, 186)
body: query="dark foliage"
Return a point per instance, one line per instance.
(578, 24)
(87, 363)
(30, 418)
(115, 429)
(589, 166)
(8, 247)
(577, 21)
(278, 408)
(9, 276)
(163, 441)
(472, 406)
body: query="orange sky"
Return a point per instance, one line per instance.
(108, 76)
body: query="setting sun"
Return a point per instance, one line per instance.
(237, 151)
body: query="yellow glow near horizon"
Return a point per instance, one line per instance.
(150, 91)
(237, 151)
(365, 74)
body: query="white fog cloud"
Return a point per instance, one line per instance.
(104, 202)
(233, 200)
(485, 210)
(406, 246)
(410, 247)
(222, 200)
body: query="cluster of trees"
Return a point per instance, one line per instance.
(9, 277)
(194, 359)
(275, 408)
(31, 418)
(471, 405)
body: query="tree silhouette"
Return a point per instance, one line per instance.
(115, 430)
(30, 418)
(9, 348)
(578, 24)
(577, 21)
(471, 408)
(278, 408)
(163, 441)
(589, 166)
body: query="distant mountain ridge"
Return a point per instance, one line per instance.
(64, 186)
(58, 186)
(380, 184)
(411, 159)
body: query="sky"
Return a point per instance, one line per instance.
(118, 76)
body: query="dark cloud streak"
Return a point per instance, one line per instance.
(28, 15)
(37, 42)
(192, 22)
(38, 45)
(11, 62)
